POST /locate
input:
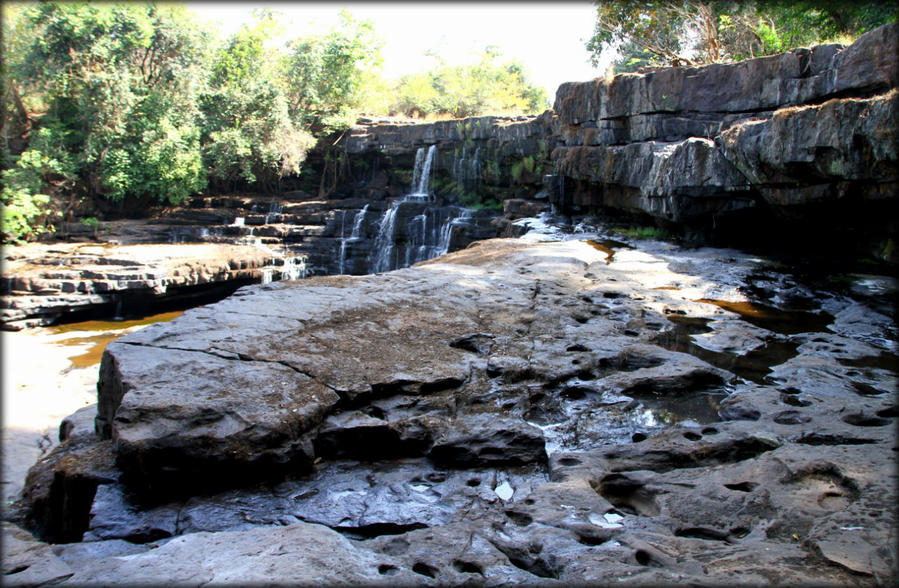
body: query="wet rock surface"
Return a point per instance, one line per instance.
(515, 412)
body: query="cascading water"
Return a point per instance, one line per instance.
(421, 175)
(274, 209)
(446, 232)
(428, 233)
(354, 236)
(384, 242)
(467, 170)
(294, 268)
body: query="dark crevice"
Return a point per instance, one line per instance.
(742, 486)
(16, 570)
(364, 532)
(703, 533)
(865, 420)
(519, 518)
(467, 567)
(626, 494)
(591, 540)
(523, 560)
(425, 570)
(832, 439)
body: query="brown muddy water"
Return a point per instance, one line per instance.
(97, 334)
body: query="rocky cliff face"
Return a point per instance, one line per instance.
(687, 143)
(806, 135)
(478, 159)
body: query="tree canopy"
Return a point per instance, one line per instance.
(487, 87)
(122, 105)
(696, 32)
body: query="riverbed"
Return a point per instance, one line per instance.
(49, 373)
(616, 399)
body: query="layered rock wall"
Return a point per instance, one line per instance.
(782, 134)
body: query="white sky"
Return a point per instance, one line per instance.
(547, 37)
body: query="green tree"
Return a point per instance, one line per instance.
(696, 32)
(249, 139)
(327, 75)
(116, 85)
(487, 87)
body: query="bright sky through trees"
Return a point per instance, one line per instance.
(547, 37)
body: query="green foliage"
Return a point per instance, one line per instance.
(327, 75)
(20, 211)
(696, 32)
(489, 204)
(522, 166)
(488, 87)
(23, 204)
(139, 104)
(642, 232)
(117, 82)
(248, 137)
(126, 105)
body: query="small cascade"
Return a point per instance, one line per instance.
(467, 170)
(425, 231)
(426, 235)
(384, 242)
(239, 221)
(446, 232)
(291, 268)
(274, 209)
(354, 236)
(294, 268)
(421, 175)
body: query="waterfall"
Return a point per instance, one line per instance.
(294, 268)
(427, 233)
(446, 232)
(354, 236)
(384, 242)
(274, 209)
(342, 255)
(421, 175)
(476, 170)
(467, 170)
(238, 221)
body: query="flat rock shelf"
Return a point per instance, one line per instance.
(525, 412)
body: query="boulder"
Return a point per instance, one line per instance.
(298, 553)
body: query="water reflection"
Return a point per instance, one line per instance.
(613, 419)
(785, 322)
(753, 366)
